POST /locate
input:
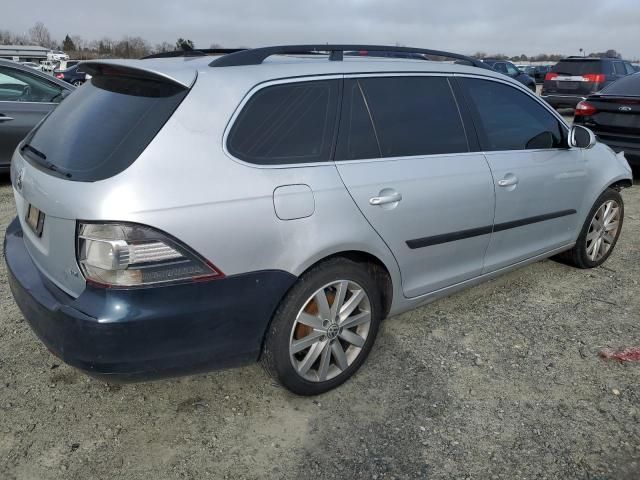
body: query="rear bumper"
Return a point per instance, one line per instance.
(147, 333)
(561, 100)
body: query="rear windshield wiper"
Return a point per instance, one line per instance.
(41, 159)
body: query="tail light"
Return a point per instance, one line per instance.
(594, 77)
(59, 75)
(550, 76)
(585, 109)
(131, 255)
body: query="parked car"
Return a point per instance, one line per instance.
(74, 75)
(49, 65)
(528, 69)
(614, 116)
(26, 97)
(635, 67)
(64, 64)
(540, 72)
(238, 223)
(509, 69)
(573, 79)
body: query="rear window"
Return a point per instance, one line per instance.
(578, 67)
(287, 123)
(628, 86)
(102, 128)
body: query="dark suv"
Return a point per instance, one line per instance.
(509, 69)
(573, 79)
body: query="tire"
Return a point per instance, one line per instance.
(77, 83)
(300, 319)
(581, 255)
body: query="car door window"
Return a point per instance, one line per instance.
(511, 70)
(287, 123)
(629, 69)
(19, 86)
(619, 68)
(509, 119)
(500, 67)
(411, 116)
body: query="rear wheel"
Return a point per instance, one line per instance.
(77, 83)
(599, 233)
(324, 329)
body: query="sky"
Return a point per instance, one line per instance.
(465, 26)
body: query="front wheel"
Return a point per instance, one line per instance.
(324, 328)
(599, 233)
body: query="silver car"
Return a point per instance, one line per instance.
(276, 204)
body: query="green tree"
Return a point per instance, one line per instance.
(184, 44)
(68, 45)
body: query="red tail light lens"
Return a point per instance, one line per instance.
(59, 75)
(550, 76)
(594, 77)
(585, 109)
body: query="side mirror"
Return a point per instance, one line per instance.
(581, 137)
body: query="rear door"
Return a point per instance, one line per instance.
(404, 156)
(24, 100)
(539, 183)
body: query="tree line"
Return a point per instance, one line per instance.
(78, 47)
(135, 47)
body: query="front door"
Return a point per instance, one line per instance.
(404, 157)
(539, 183)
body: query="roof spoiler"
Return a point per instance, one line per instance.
(125, 69)
(256, 56)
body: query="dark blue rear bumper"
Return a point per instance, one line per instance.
(146, 333)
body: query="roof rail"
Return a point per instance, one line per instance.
(256, 56)
(200, 52)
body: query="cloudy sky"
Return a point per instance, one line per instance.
(493, 26)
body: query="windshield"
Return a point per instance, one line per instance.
(628, 86)
(577, 67)
(103, 127)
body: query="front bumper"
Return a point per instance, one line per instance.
(147, 333)
(561, 100)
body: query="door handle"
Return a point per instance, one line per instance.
(384, 199)
(508, 181)
(4, 118)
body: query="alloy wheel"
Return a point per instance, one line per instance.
(603, 230)
(330, 331)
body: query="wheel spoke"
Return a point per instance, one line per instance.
(608, 238)
(355, 320)
(341, 291)
(596, 248)
(339, 356)
(352, 338)
(309, 340)
(311, 356)
(612, 214)
(592, 235)
(611, 226)
(325, 361)
(351, 304)
(323, 304)
(310, 320)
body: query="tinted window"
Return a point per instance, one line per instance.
(413, 115)
(619, 68)
(626, 86)
(511, 120)
(629, 69)
(101, 128)
(511, 69)
(19, 86)
(289, 123)
(357, 138)
(578, 67)
(500, 67)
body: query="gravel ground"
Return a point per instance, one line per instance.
(501, 381)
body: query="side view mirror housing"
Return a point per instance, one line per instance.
(581, 137)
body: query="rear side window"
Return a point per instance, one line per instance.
(578, 67)
(287, 123)
(626, 86)
(629, 69)
(102, 128)
(411, 116)
(619, 68)
(511, 120)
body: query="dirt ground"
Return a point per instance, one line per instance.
(502, 381)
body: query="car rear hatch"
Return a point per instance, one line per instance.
(616, 120)
(65, 163)
(579, 77)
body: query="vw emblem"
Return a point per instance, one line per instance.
(19, 179)
(624, 108)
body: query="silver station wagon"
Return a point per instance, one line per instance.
(178, 215)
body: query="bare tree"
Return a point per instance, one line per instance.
(39, 35)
